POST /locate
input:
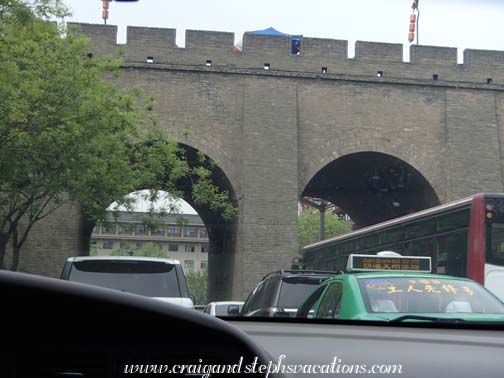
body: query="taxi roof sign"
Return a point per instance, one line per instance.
(381, 263)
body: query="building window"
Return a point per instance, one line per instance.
(203, 265)
(203, 232)
(140, 229)
(125, 229)
(190, 247)
(189, 264)
(109, 228)
(191, 232)
(108, 244)
(173, 230)
(204, 248)
(173, 247)
(96, 229)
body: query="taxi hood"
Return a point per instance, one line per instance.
(455, 315)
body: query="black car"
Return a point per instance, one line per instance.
(280, 293)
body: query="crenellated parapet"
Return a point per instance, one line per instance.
(378, 52)
(317, 56)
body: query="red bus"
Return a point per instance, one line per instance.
(463, 238)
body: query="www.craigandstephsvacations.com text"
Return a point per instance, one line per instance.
(278, 367)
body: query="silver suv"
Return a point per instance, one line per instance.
(158, 278)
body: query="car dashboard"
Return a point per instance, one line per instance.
(406, 350)
(66, 329)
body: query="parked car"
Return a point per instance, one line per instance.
(158, 278)
(280, 293)
(223, 308)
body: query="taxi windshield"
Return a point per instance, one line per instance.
(425, 295)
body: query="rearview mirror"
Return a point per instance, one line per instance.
(233, 310)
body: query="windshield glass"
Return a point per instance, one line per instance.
(423, 295)
(251, 141)
(152, 279)
(221, 309)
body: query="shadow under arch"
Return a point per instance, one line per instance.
(372, 187)
(222, 233)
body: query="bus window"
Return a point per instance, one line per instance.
(391, 236)
(347, 248)
(452, 254)
(421, 229)
(367, 242)
(337, 264)
(421, 247)
(454, 221)
(442, 235)
(495, 254)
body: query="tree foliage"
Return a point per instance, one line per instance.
(197, 284)
(309, 227)
(146, 250)
(66, 134)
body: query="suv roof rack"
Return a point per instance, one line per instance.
(282, 271)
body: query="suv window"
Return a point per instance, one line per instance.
(149, 278)
(261, 296)
(295, 290)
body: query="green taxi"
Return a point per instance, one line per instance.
(391, 287)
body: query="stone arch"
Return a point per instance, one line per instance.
(222, 233)
(414, 155)
(372, 186)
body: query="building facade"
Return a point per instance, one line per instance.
(182, 237)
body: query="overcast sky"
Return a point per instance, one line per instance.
(453, 23)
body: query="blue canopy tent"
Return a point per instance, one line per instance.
(295, 39)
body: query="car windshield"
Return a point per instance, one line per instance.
(152, 279)
(426, 295)
(253, 140)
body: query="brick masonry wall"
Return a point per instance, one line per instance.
(272, 131)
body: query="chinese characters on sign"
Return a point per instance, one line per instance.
(432, 286)
(366, 262)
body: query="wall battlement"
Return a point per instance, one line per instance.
(317, 54)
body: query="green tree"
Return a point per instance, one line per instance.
(68, 135)
(94, 250)
(197, 284)
(309, 227)
(146, 250)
